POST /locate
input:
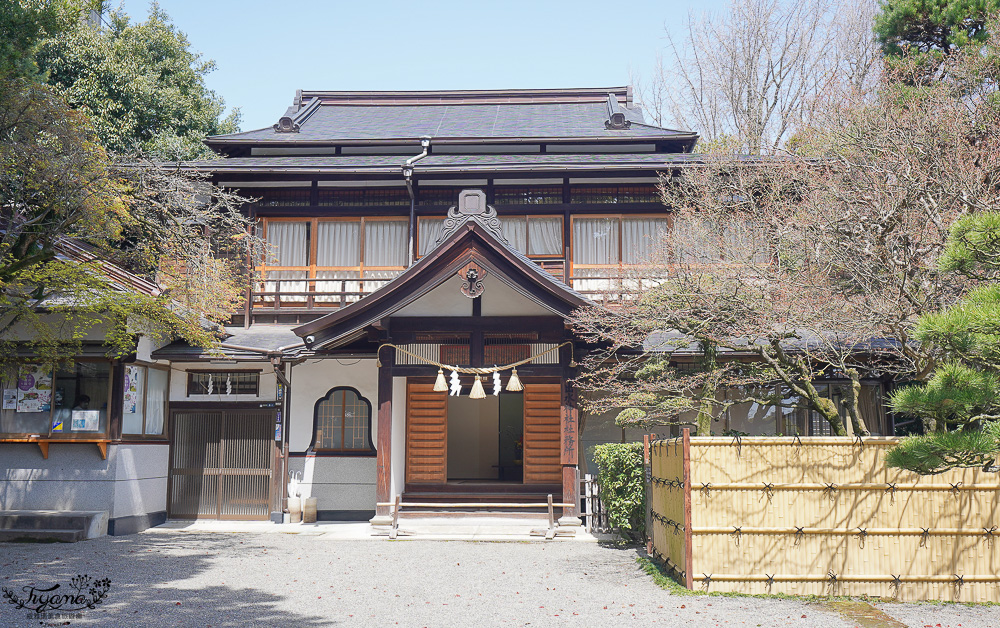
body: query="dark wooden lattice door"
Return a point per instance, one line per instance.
(221, 464)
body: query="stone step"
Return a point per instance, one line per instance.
(90, 524)
(481, 515)
(14, 535)
(491, 498)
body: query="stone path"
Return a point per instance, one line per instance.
(175, 578)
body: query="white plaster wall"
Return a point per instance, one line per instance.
(312, 379)
(141, 478)
(178, 381)
(499, 299)
(146, 346)
(132, 481)
(445, 300)
(339, 483)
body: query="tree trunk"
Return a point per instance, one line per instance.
(830, 412)
(705, 417)
(853, 404)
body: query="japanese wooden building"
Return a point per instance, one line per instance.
(408, 232)
(411, 230)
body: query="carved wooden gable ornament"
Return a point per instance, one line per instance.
(472, 206)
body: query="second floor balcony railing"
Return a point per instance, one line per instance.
(311, 288)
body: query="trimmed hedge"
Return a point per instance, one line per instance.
(620, 474)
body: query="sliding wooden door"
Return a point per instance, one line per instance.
(541, 434)
(426, 435)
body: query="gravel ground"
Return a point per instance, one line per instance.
(187, 579)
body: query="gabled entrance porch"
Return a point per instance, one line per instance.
(503, 449)
(473, 305)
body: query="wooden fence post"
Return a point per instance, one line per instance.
(647, 488)
(688, 559)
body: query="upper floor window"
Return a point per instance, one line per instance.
(601, 194)
(278, 198)
(612, 241)
(535, 236)
(346, 256)
(342, 421)
(521, 195)
(363, 197)
(437, 196)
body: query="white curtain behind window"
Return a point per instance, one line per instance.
(156, 394)
(288, 245)
(641, 238)
(430, 230)
(694, 241)
(338, 243)
(595, 241)
(516, 231)
(386, 242)
(545, 236)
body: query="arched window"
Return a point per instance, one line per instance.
(343, 422)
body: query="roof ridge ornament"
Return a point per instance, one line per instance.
(616, 117)
(472, 206)
(285, 124)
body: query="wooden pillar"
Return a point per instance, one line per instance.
(383, 449)
(569, 457)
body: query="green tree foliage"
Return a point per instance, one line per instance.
(73, 216)
(960, 403)
(932, 26)
(140, 84)
(935, 453)
(23, 23)
(622, 486)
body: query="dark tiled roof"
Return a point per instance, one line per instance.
(392, 163)
(336, 122)
(251, 343)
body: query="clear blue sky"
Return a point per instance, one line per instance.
(265, 50)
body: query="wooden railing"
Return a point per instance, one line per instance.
(311, 293)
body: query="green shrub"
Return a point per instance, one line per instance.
(620, 473)
(939, 451)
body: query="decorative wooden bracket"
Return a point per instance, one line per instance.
(43, 444)
(472, 275)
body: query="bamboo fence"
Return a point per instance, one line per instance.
(821, 516)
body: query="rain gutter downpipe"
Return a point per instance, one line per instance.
(425, 144)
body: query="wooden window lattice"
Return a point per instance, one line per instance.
(603, 194)
(343, 422)
(223, 383)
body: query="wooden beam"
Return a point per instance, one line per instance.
(569, 451)
(383, 456)
(553, 325)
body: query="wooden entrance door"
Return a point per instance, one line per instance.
(542, 405)
(221, 464)
(426, 435)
